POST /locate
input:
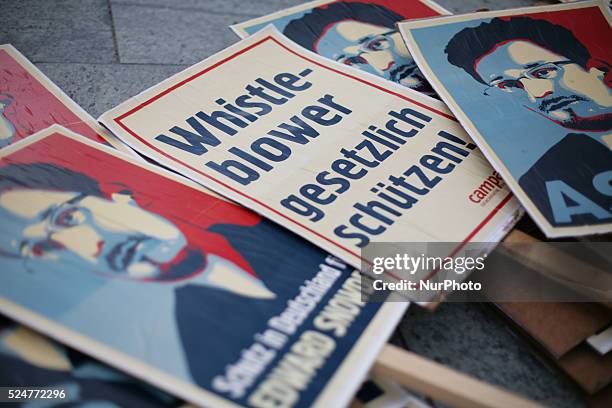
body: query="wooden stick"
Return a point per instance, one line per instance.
(560, 266)
(516, 235)
(442, 383)
(449, 386)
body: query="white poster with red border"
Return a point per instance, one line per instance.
(338, 156)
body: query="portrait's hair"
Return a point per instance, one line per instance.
(6, 98)
(46, 176)
(470, 44)
(308, 29)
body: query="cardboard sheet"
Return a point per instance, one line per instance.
(558, 327)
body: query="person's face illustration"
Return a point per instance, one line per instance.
(111, 236)
(551, 85)
(378, 50)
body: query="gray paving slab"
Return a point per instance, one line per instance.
(468, 6)
(59, 31)
(182, 32)
(474, 339)
(241, 7)
(185, 32)
(170, 36)
(99, 87)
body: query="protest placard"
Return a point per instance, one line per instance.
(360, 34)
(30, 102)
(60, 375)
(34, 363)
(532, 88)
(339, 156)
(200, 297)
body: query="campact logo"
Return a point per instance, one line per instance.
(489, 187)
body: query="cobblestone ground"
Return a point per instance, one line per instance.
(102, 52)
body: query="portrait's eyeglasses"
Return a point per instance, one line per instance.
(67, 214)
(368, 44)
(548, 70)
(64, 215)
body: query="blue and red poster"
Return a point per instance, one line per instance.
(357, 33)
(532, 87)
(198, 296)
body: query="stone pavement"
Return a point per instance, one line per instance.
(101, 52)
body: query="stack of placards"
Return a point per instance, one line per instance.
(257, 291)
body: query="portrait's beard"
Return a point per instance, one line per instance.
(559, 102)
(419, 83)
(188, 263)
(402, 71)
(121, 256)
(595, 123)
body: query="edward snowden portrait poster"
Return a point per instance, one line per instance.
(204, 299)
(532, 86)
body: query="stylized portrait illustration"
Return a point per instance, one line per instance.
(28, 359)
(546, 76)
(361, 35)
(542, 63)
(140, 262)
(54, 214)
(555, 76)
